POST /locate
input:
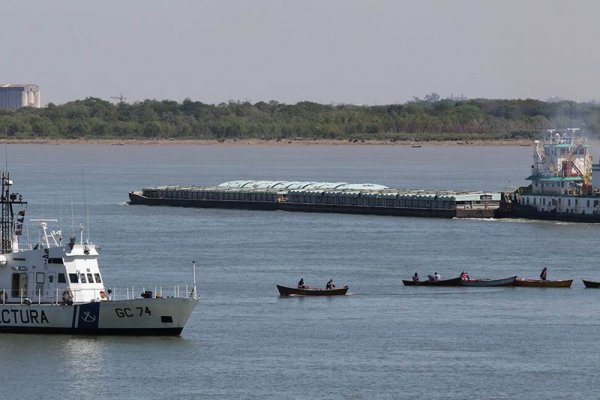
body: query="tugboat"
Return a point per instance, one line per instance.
(53, 287)
(561, 182)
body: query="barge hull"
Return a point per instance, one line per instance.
(402, 212)
(138, 199)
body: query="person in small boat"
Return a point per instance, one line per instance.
(330, 285)
(301, 284)
(544, 274)
(436, 277)
(415, 277)
(464, 276)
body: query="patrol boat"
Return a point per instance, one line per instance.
(52, 287)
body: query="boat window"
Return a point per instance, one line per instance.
(98, 280)
(61, 278)
(73, 278)
(19, 285)
(90, 278)
(50, 278)
(39, 281)
(82, 278)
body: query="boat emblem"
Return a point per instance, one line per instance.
(87, 316)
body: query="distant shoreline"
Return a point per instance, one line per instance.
(283, 142)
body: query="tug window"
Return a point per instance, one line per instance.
(73, 278)
(61, 278)
(98, 280)
(82, 278)
(90, 278)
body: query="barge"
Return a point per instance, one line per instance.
(329, 197)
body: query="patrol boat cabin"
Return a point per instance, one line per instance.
(49, 272)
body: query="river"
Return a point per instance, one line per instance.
(384, 341)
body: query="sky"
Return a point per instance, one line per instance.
(326, 51)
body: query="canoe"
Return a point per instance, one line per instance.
(562, 283)
(591, 284)
(489, 282)
(441, 282)
(288, 291)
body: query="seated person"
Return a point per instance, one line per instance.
(330, 285)
(301, 284)
(415, 277)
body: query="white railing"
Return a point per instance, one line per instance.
(70, 296)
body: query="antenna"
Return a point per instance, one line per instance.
(570, 114)
(6, 153)
(121, 98)
(61, 211)
(85, 207)
(72, 219)
(194, 292)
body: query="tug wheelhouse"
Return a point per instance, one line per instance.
(561, 176)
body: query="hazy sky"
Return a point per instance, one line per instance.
(341, 51)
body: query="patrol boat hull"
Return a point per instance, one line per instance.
(142, 317)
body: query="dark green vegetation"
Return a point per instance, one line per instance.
(429, 119)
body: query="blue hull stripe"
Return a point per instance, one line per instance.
(96, 332)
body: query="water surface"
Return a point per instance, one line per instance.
(383, 341)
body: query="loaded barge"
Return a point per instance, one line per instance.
(333, 197)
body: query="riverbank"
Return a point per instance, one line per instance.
(282, 142)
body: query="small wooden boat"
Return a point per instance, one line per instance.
(591, 284)
(310, 291)
(561, 283)
(441, 282)
(489, 282)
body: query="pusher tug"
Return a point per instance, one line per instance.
(58, 288)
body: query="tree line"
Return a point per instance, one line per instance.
(431, 118)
